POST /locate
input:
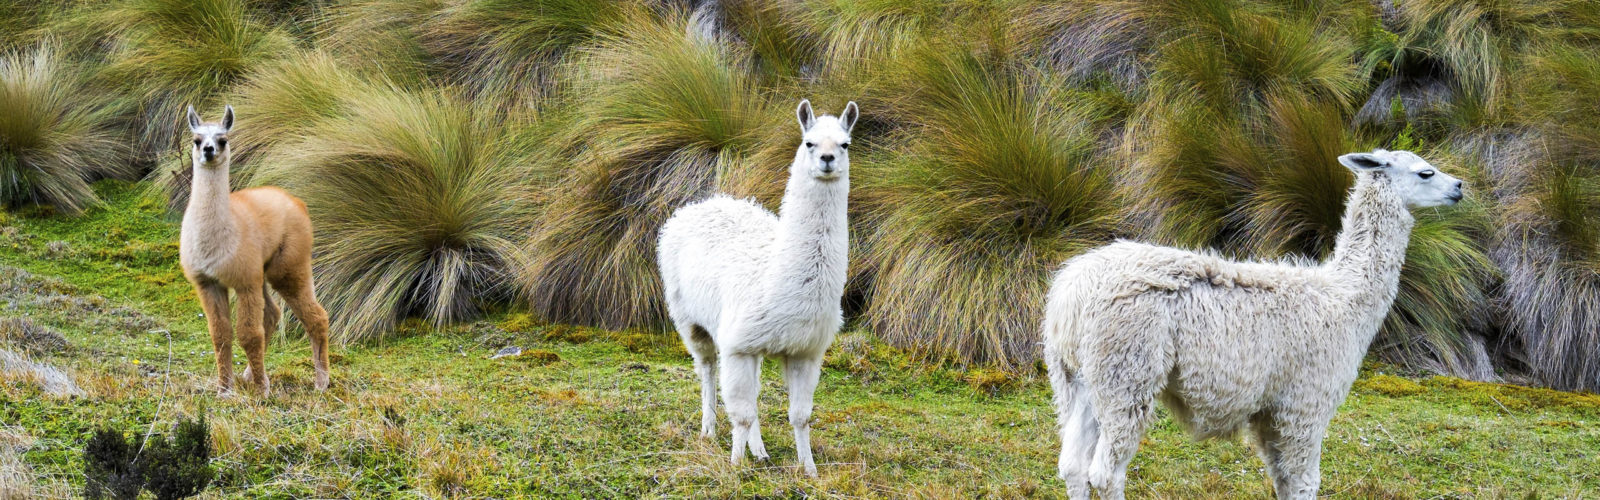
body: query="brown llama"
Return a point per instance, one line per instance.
(244, 241)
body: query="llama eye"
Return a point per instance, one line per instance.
(810, 145)
(845, 145)
(197, 143)
(222, 143)
(1425, 174)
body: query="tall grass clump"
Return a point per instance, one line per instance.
(1475, 49)
(382, 36)
(1236, 150)
(998, 177)
(21, 22)
(169, 54)
(55, 136)
(1549, 238)
(660, 116)
(418, 198)
(513, 46)
(277, 104)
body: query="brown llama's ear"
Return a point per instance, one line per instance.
(194, 118)
(227, 119)
(848, 118)
(803, 113)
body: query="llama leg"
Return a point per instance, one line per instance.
(741, 386)
(1078, 429)
(214, 300)
(1299, 460)
(269, 315)
(800, 374)
(758, 448)
(297, 294)
(251, 337)
(704, 351)
(1267, 439)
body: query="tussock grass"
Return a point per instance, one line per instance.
(55, 135)
(998, 178)
(168, 54)
(1549, 240)
(512, 47)
(381, 35)
(660, 116)
(417, 198)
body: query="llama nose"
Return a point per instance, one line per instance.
(827, 158)
(209, 149)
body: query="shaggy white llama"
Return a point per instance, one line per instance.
(1226, 344)
(742, 284)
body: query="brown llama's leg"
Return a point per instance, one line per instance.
(251, 337)
(269, 315)
(214, 299)
(297, 294)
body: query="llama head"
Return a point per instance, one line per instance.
(1418, 183)
(210, 138)
(824, 152)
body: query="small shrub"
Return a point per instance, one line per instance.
(169, 468)
(539, 357)
(108, 466)
(178, 467)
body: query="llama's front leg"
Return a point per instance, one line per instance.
(251, 336)
(214, 300)
(741, 387)
(800, 374)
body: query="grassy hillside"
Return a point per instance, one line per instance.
(612, 414)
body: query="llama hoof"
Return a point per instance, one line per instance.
(811, 471)
(322, 382)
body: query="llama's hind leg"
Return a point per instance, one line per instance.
(1078, 429)
(741, 387)
(800, 374)
(1267, 440)
(297, 293)
(269, 315)
(1298, 458)
(758, 448)
(704, 351)
(1122, 390)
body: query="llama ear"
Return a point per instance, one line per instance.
(804, 114)
(194, 118)
(848, 119)
(1363, 161)
(227, 119)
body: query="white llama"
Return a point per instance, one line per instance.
(743, 284)
(1225, 344)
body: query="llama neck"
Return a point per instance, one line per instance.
(811, 247)
(1371, 247)
(208, 208)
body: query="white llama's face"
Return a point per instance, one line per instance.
(1419, 183)
(210, 139)
(824, 152)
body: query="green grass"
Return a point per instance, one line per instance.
(604, 414)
